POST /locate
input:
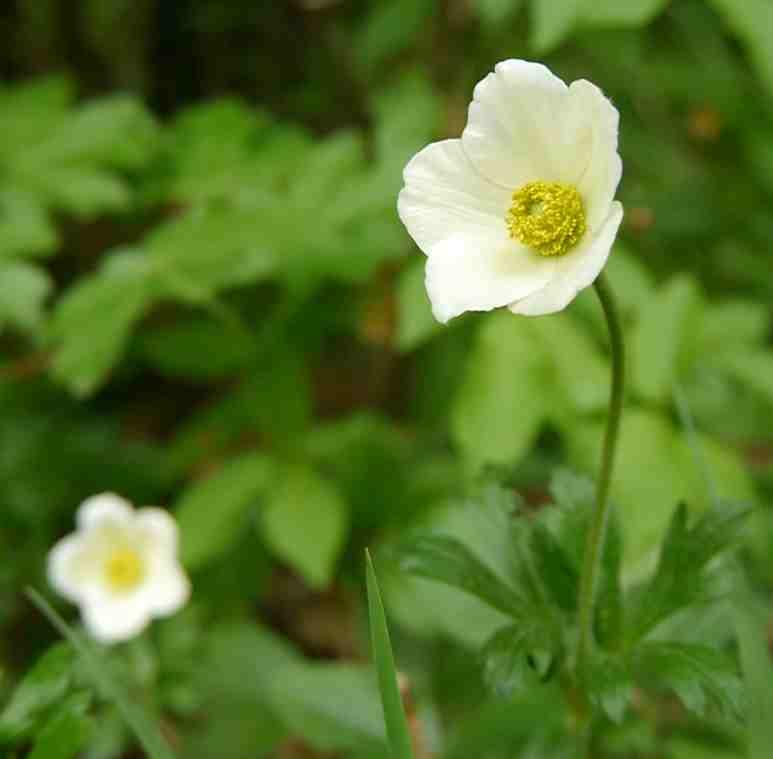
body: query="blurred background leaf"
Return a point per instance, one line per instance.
(209, 303)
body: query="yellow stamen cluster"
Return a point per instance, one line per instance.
(124, 570)
(548, 217)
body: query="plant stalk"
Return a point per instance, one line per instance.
(594, 546)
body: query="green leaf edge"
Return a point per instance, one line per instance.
(394, 717)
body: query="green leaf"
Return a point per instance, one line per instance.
(211, 514)
(81, 190)
(649, 443)
(391, 26)
(32, 111)
(197, 255)
(552, 22)
(518, 658)
(93, 320)
(273, 399)
(415, 322)
(447, 560)
(493, 13)
(524, 727)
(391, 700)
(749, 20)
(197, 348)
(754, 369)
(482, 523)
(25, 227)
(107, 683)
(610, 686)
(331, 706)
(663, 343)
(502, 400)
(731, 325)
(699, 675)
(631, 13)
(74, 166)
(574, 365)
(44, 686)
(66, 732)
(682, 748)
(216, 148)
(407, 114)
(679, 580)
(558, 547)
(23, 290)
(305, 522)
(554, 567)
(115, 131)
(758, 679)
(337, 156)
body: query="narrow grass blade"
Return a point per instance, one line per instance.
(394, 716)
(758, 677)
(147, 734)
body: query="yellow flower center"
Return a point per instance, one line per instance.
(548, 217)
(124, 570)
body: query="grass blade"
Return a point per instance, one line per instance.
(147, 734)
(394, 716)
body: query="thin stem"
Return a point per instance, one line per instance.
(594, 545)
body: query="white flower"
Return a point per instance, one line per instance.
(120, 567)
(520, 211)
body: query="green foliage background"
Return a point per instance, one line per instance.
(207, 302)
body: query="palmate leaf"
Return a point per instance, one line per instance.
(518, 658)
(447, 560)
(699, 675)
(679, 579)
(610, 684)
(71, 159)
(558, 545)
(391, 700)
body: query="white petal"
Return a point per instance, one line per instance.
(159, 527)
(106, 508)
(116, 618)
(462, 276)
(515, 129)
(167, 590)
(65, 567)
(593, 126)
(578, 270)
(444, 197)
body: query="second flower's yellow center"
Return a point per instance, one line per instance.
(124, 570)
(548, 217)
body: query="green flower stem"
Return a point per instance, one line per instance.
(594, 545)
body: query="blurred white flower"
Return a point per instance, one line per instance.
(120, 567)
(520, 211)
